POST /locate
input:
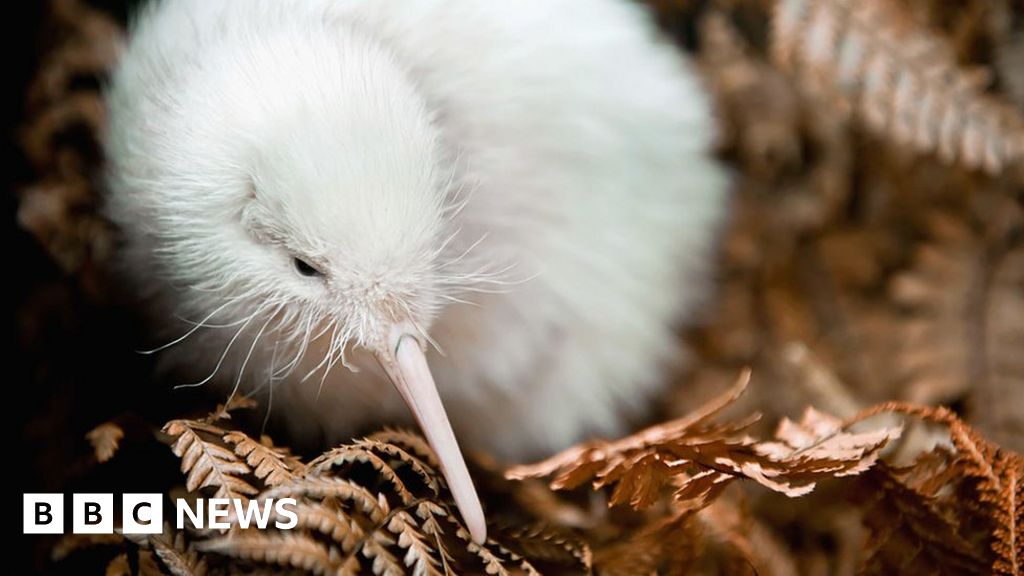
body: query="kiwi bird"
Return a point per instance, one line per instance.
(358, 208)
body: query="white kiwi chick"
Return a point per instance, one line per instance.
(358, 208)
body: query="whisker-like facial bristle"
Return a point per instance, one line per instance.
(287, 369)
(269, 384)
(225, 285)
(315, 369)
(196, 326)
(224, 354)
(466, 252)
(245, 362)
(346, 338)
(456, 300)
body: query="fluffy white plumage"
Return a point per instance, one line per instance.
(526, 184)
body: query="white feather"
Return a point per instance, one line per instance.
(545, 161)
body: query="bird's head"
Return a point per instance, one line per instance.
(346, 204)
(303, 180)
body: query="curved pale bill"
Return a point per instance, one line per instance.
(406, 365)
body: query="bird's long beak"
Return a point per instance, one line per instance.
(403, 360)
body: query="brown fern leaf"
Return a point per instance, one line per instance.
(420, 555)
(234, 402)
(902, 80)
(938, 345)
(284, 549)
(378, 538)
(413, 460)
(206, 463)
(548, 547)
(698, 458)
(498, 560)
(409, 441)
(374, 505)
(665, 546)
(1008, 536)
(294, 462)
(572, 457)
(407, 539)
(91, 43)
(371, 506)
(343, 530)
(105, 440)
(377, 548)
(359, 453)
(997, 403)
(178, 556)
(959, 331)
(270, 465)
(431, 514)
(60, 208)
(910, 531)
(982, 490)
(747, 542)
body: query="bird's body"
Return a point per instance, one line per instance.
(525, 184)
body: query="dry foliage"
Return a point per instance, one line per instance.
(105, 440)
(61, 139)
(697, 458)
(379, 506)
(949, 501)
(876, 252)
(375, 506)
(904, 83)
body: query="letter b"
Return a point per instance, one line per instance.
(43, 514)
(93, 514)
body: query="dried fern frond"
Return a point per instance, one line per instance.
(375, 505)
(667, 545)
(372, 505)
(698, 459)
(950, 501)
(422, 553)
(897, 515)
(178, 556)
(66, 120)
(235, 402)
(410, 442)
(997, 403)
(727, 523)
(207, 463)
(271, 465)
(287, 549)
(940, 293)
(960, 333)
(105, 440)
(496, 558)
(901, 80)
(376, 454)
(544, 545)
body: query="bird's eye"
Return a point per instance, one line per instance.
(305, 268)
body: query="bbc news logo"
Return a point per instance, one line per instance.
(144, 513)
